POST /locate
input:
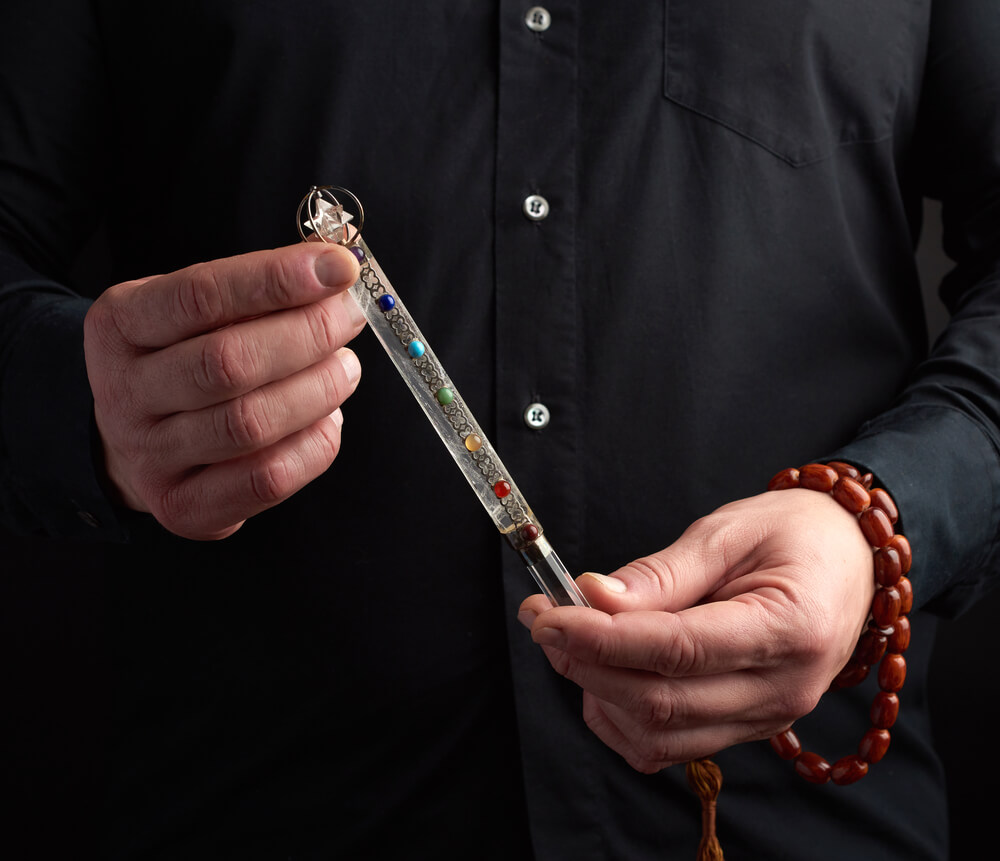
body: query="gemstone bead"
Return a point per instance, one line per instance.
(357, 252)
(529, 532)
(415, 348)
(874, 744)
(812, 767)
(501, 489)
(386, 302)
(445, 396)
(786, 744)
(473, 442)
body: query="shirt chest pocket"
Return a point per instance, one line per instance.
(798, 77)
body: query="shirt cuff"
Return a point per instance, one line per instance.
(943, 471)
(49, 446)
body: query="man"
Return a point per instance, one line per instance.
(685, 230)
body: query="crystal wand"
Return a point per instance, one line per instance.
(322, 216)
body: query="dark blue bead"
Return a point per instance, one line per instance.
(386, 302)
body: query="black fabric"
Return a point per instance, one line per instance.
(724, 286)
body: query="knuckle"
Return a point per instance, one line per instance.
(224, 364)
(275, 479)
(200, 300)
(680, 655)
(245, 423)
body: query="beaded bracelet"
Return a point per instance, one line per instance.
(887, 633)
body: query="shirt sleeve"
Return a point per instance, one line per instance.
(53, 159)
(938, 449)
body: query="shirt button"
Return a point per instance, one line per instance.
(538, 19)
(535, 207)
(536, 416)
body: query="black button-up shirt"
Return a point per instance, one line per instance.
(723, 285)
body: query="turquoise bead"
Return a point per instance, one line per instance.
(415, 349)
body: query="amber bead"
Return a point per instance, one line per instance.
(886, 606)
(881, 499)
(850, 494)
(888, 568)
(902, 547)
(899, 639)
(876, 526)
(871, 647)
(812, 767)
(784, 480)
(818, 476)
(786, 744)
(892, 672)
(905, 588)
(874, 744)
(845, 469)
(884, 710)
(854, 673)
(849, 769)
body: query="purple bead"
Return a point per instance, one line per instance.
(357, 252)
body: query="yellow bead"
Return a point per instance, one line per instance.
(473, 442)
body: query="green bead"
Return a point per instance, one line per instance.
(445, 396)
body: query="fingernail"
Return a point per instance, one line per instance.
(612, 584)
(550, 637)
(351, 365)
(336, 269)
(527, 618)
(338, 417)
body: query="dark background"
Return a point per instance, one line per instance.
(53, 711)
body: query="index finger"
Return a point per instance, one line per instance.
(167, 309)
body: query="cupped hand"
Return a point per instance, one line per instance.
(728, 635)
(217, 388)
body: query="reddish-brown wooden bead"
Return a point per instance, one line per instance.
(899, 639)
(786, 744)
(867, 480)
(854, 673)
(885, 606)
(881, 499)
(902, 547)
(888, 568)
(871, 647)
(876, 526)
(845, 469)
(785, 479)
(905, 588)
(818, 476)
(848, 769)
(884, 710)
(850, 494)
(892, 672)
(812, 767)
(874, 745)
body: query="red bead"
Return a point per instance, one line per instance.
(845, 469)
(881, 499)
(871, 647)
(884, 710)
(886, 606)
(892, 672)
(888, 568)
(529, 532)
(902, 547)
(849, 769)
(786, 744)
(854, 673)
(905, 588)
(818, 476)
(874, 745)
(876, 526)
(850, 494)
(812, 767)
(899, 640)
(501, 489)
(784, 480)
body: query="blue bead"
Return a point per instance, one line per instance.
(415, 349)
(386, 302)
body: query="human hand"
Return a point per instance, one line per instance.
(217, 388)
(728, 635)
